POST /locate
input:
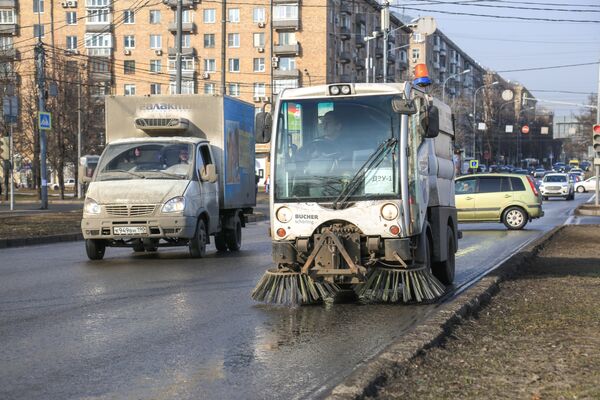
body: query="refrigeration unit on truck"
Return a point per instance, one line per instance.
(175, 171)
(362, 194)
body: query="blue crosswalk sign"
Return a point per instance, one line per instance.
(474, 164)
(45, 120)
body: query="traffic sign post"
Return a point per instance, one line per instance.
(10, 108)
(596, 146)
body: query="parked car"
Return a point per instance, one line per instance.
(558, 185)
(511, 199)
(69, 184)
(587, 185)
(539, 173)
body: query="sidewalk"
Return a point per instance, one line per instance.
(538, 338)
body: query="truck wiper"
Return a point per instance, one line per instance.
(372, 162)
(125, 171)
(169, 174)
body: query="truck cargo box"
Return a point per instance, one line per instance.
(226, 122)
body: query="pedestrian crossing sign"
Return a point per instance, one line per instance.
(474, 164)
(44, 120)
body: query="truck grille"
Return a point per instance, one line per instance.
(129, 210)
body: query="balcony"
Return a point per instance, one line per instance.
(98, 27)
(345, 57)
(185, 27)
(345, 33)
(185, 51)
(403, 64)
(346, 8)
(360, 41)
(436, 65)
(10, 53)
(442, 51)
(186, 3)
(360, 63)
(286, 24)
(288, 74)
(361, 19)
(392, 39)
(287, 49)
(101, 76)
(378, 52)
(391, 59)
(10, 29)
(453, 61)
(185, 74)
(436, 47)
(8, 3)
(99, 51)
(442, 68)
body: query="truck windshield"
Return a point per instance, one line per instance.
(146, 161)
(325, 149)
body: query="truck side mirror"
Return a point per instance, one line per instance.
(430, 122)
(262, 127)
(208, 173)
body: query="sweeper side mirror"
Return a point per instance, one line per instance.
(400, 105)
(262, 127)
(430, 121)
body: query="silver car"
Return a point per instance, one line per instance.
(557, 185)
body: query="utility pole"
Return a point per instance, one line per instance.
(79, 186)
(178, 39)
(385, 28)
(223, 44)
(597, 167)
(40, 58)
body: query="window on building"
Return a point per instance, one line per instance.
(186, 40)
(156, 42)
(71, 17)
(187, 87)
(233, 15)
(258, 39)
(287, 63)
(209, 15)
(287, 38)
(209, 40)
(280, 84)
(210, 65)
(259, 64)
(99, 65)
(6, 42)
(233, 40)
(416, 53)
(95, 40)
(129, 90)
(129, 41)
(258, 14)
(128, 17)
(7, 16)
(129, 67)
(38, 30)
(285, 12)
(154, 17)
(71, 42)
(187, 63)
(38, 6)
(97, 15)
(209, 88)
(234, 65)
(98, 3)
(155, 66)
(259, 90)
(155, 88)
(186, 16)
(234, 89)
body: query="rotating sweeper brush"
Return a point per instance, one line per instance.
(282, 286)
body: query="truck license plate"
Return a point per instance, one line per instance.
(129, 230)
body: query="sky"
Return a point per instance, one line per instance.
(501, 44)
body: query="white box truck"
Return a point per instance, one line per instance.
(175, 171)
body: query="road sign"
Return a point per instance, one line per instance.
(474, 164)
(45, 120)
(509, 129)
(525, 129)
(481, 126)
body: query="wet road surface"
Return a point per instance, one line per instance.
(166, 326)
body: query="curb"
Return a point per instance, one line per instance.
(367, 378)
(587, 209)
(72, 237)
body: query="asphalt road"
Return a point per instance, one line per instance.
(164, 326)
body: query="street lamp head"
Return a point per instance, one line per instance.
(495, 83)
(466, 71)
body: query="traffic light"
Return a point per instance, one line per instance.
(596, 139)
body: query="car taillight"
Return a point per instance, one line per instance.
(532, 184)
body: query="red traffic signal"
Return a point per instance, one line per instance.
(596, 138)
(596, 129)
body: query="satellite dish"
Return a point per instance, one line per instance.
(426, 25)
(507, 95)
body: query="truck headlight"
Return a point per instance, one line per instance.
(90, 206)
(389, 212)
(284, 215)
(176, 204)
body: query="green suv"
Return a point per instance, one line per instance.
(508, 198)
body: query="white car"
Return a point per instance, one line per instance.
(557, 185)
(69, 184)
(587, 185)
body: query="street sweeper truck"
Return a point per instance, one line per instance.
(176, 170)
(362, 194)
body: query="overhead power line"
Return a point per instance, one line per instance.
(461, 3)
(553, 67)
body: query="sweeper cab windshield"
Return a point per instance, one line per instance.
(327, 149)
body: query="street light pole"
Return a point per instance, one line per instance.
(474, 118)
(385, 28)
(466, 71)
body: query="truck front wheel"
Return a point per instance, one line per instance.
(95, 248)
(233, 237)
(444, 270)
(198, 242)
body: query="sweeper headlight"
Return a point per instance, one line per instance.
(389, 212)
(335, 90)
(284, 215)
